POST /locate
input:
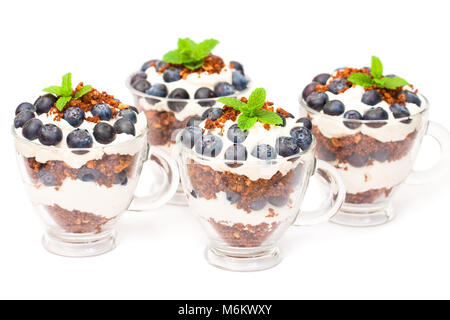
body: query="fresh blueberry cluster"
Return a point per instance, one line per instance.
(171, 74)
(50, 134)
(211, 145)
(319, 101)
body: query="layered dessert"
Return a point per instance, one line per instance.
(244, 169)
(81, 150)
(366, 125)
(182, 87)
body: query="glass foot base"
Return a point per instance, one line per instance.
(79, 245)
(244, 260)
(361, 216)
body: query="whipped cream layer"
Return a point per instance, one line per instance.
(221, 210)
(85, 196)
(394, 130)
(253, 168)
(123, 143)
(376, 176)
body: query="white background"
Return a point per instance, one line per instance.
(282, 45)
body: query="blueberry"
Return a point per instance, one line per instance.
(171, 74)
(309, 89)
(302, 136)
(134, 109)
(236, 135)
(208, 145)
(205, 93)
(74, 116)
(371, 97)
(305, 122)
(87, 174)
(264, 152)
(390, 76)
(47, 178)
(124, 125)
(316, 100)
(357, 160)
(141, 85)
(337, 85)
(258, 204)
(212, 114)
(79, 138)
(24, 106)
(355, 115)
(103, 111)
(411, 97)
(287, 146)
(44, 103)
(235, 153)
(194, 122)
(321, 78)
(239, 81)
(237, 66)
(121, 178)
(31, 128)
(158, 89)
(190, 135)
(376, 114)
(159, 65)
(22, 117)
(147, 64)
(178, 93)
(400, 111)
(129, 114)
(104, 133)
(380, 155)
(137, 76)
(334, 108)
(194, 194)
(233, 197)
(224, 89)
(325, 154)
(283, 124)
(278, 201)
(49, 135)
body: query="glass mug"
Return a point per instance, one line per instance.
(167, 116)
(374, 157)
(80, 194)
(246, 211)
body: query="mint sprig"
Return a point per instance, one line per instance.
(251, 111)
(65, 92)
(189, 53)
(377, 79)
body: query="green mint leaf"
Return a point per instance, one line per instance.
(67, 84)
(257, 99)
(377, 68)
(62, 101)
(392, 83)
(56, 90)
(194, 65)
(266, 116)
(234, 103)
(361, 79)
(205, 47)
(82, 92)
(173, 56)
(245, 122)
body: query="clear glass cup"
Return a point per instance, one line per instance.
(246, 211)
(374, 158)
(165, 122)
(80, 194)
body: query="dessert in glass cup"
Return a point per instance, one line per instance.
(182, 88)
(244, 172)
(80, 153)
(370, 127)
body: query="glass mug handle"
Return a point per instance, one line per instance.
(336, 196)
(442, 136)
(165, 184)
